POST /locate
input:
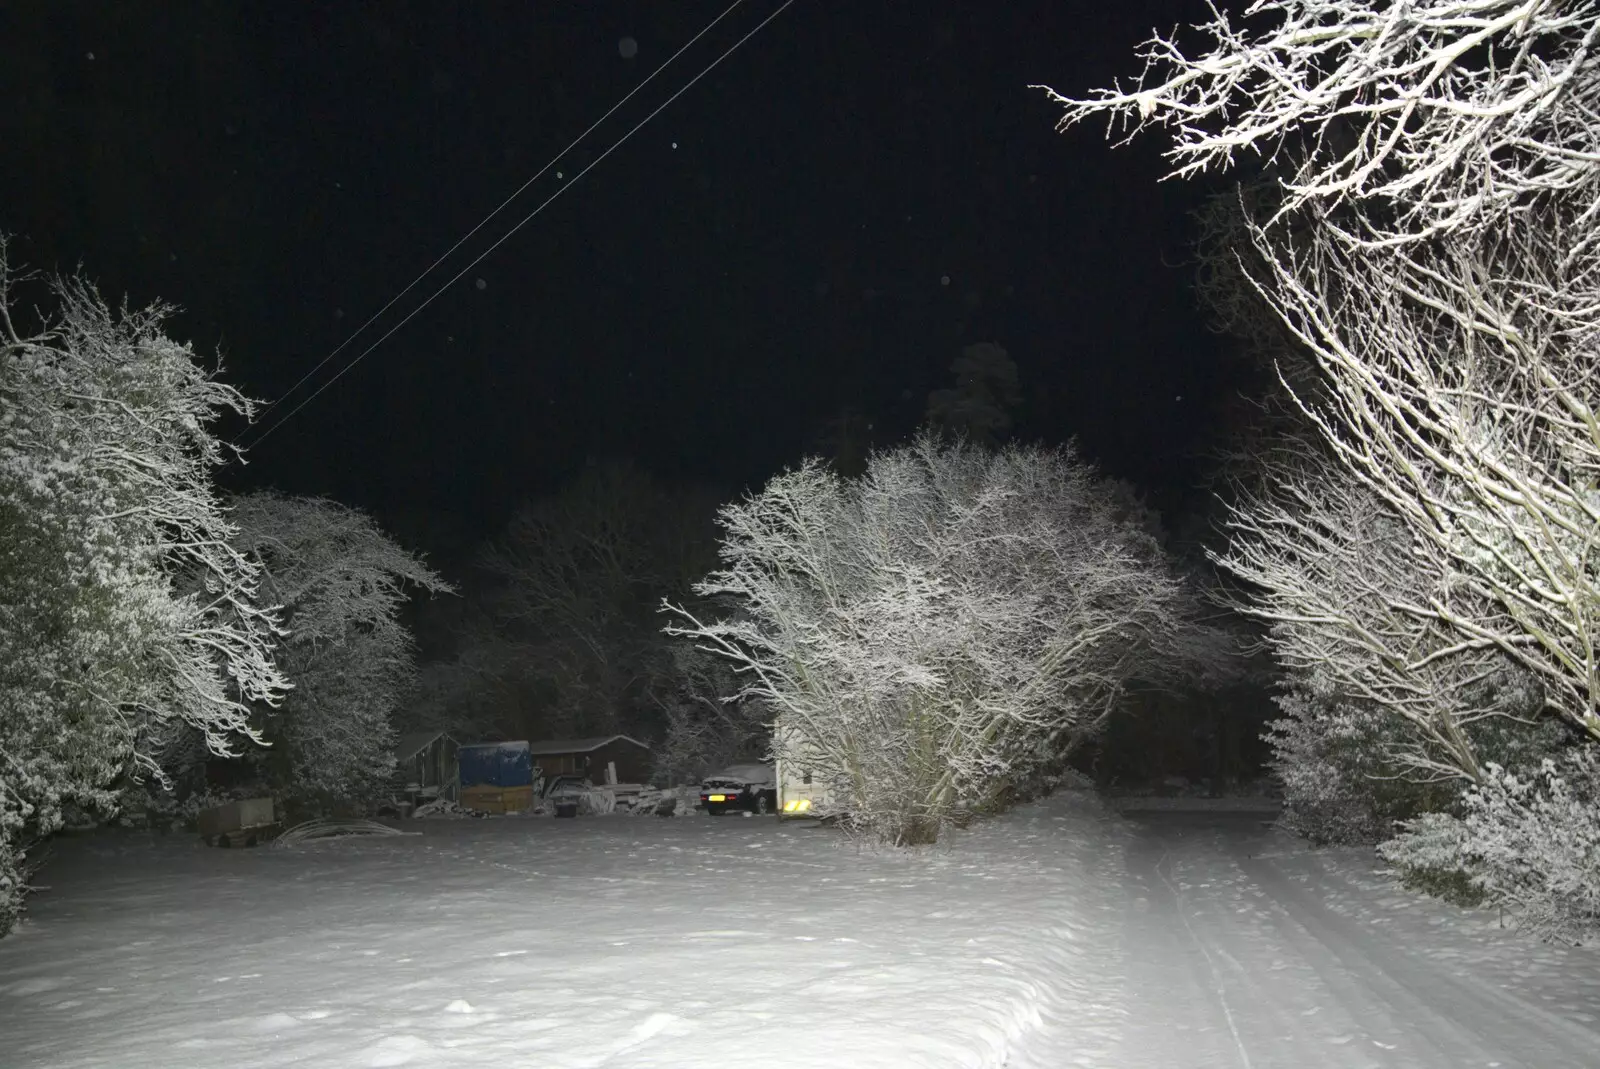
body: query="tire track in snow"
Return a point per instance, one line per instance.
(1500, 1026)
(1239, 962)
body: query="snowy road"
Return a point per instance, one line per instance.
(1243, 949)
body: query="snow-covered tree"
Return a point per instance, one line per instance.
(125, 609)
(932, 634)
(1431, 245)
(1338, 579)
(1461, 394)
(341, 583)
(1424, 238)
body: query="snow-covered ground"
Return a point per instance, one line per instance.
(603, 941)
(1056, 936)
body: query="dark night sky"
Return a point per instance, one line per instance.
(282, 169)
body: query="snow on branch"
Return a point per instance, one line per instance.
(1424, 236)
(1447, 113)
(1458, 388)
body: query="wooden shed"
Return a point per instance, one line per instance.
(425, 765)
(604, 758)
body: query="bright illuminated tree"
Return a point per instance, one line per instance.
(937, 632)
(1431, 242)
(125, 609)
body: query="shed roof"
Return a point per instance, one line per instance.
(555, 746)
(414, 742)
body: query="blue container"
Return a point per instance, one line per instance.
(496, 764)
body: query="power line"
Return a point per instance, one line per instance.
(267, 431)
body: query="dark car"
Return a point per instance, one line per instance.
(564, 794)
(748, 788)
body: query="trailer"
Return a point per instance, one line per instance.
(242, 822)
(495, 777)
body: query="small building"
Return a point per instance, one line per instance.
(425, 765)
(604, 758)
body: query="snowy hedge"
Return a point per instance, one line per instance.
(1348, 767)
(1529, 842)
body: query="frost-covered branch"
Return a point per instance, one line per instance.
(1458, 389)
(1435, 116)
(1346, 591)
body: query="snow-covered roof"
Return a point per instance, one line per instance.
(555, 746)
(413, 742)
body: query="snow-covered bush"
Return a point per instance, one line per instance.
(932, 634)
(341, 583)
(1529, 842)
(12, 889)
(1330, 759)
(1348, 768)
(125, 611)
(1430, 856)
